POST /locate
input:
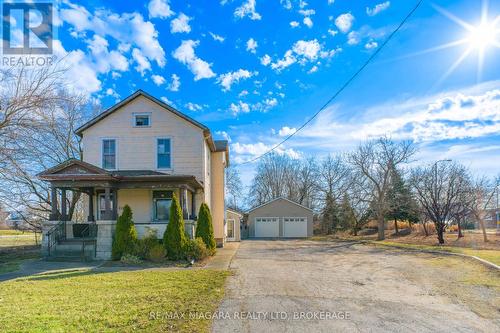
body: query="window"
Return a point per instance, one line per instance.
(142, 120)
(109, 154)
(101, 203)
(163, 154)
(161, 202)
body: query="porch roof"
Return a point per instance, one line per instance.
(76, 173)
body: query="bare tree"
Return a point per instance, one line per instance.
(334, 177)
(38, 122)
(439, 189)
(360, 199)
(234, 187)
(483, 193)
(375, 160)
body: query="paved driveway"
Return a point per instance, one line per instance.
(307, 286)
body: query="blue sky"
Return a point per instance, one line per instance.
(254, 70)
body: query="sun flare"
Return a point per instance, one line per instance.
(483, 36)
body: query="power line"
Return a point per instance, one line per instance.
(344, 86)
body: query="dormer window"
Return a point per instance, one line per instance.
(142, 119)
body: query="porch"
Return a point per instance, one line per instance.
(104, 194)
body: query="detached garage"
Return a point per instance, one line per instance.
(280, 218)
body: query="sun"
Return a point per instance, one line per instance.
(478, 38)
(483, 36)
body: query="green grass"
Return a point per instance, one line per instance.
(27, 239)
(111, 302)
(489, 255)
(10, 232)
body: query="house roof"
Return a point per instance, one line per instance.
(279, 198)
(130, 98)
(234, 212)
(76, 170)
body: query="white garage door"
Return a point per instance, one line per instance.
(267, 227)
(295, 226)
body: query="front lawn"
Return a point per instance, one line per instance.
(111, 302)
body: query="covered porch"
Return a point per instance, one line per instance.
(104, 194)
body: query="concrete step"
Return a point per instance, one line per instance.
(74, 246)
(59, 255)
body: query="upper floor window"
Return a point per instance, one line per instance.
(109, 154)
(163, 154)
(142, 120)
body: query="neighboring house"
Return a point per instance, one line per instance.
(233, 225)
(140, 153)
(14, 220)
(280, 218)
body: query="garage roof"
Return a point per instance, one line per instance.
(279, 198)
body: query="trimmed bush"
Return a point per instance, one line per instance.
(130, 259)
(156, 253)
(197, 249)
(205, 228)
(143, 246)
(174, 238)
(125, 235)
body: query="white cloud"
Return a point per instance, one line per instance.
(247, 9)
(353, 38)
(160, 9)
(252, 45)
(224, 135)
(313, 69)
(371, 45)
(265, 60)
(167, 101)
(286, 131)
(247, 151)
(450, 116)
(308, 22)
(240, 107)
(217, 37)
(331, 2)
(112, 93)
(228, 79)
(194, 107)
(294, 24)
(126, 28)
(104, 59)
(143, 64)
(307, 49)
(344, 22)
(307, 12)
(175, 84)
(332, 32)
(243, 93)
(185, 54)
(378, 8)
(158, 79)
(81, 74)
(287, 60)
(180, 24)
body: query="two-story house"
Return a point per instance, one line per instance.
(138, 153)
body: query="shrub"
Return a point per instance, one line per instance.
(156, 253)
(205, 228)
(125, 235)
(197, 249)
(144, 245)
(130, 259)
(174, 238)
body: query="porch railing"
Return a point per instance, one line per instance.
(56, 234)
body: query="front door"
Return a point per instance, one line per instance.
(230, 230)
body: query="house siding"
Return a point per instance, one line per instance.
(217, 208)
(136, 147)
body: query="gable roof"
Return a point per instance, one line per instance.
(279, 198)
(72, 165)
(93, 121)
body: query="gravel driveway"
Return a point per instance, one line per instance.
(308, 286)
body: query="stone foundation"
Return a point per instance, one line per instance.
(105, 232)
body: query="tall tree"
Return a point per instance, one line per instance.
(375, 160)
(346, 214)
(330, 216)
(401, 204)
(483, 192)
(439, 189)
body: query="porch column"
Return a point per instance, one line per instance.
(90, 217)
(193, 205)
(54, 216)
(64, 215)
(183, 202)
(108, 215)
(115, 204)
